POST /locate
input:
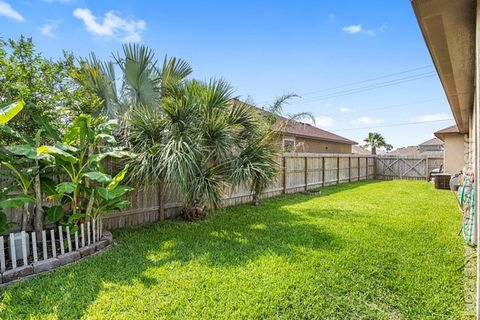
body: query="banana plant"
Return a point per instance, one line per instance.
(79, 156)
(9, 110)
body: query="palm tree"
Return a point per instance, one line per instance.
(187, 134)
(276, 110)
(200, 144)
(374, 141)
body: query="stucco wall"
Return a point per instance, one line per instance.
(309, 145)
(453, 153)
(318, 146)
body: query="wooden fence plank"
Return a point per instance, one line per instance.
(60, 237)
(24, 248)
(34, 246)
(54, 245)
(2, 255)
(44, 245)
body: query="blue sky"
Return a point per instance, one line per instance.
(266, 48)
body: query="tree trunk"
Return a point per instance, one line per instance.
(374, 150)
(38, 220)
(256, 199)
(25, 217)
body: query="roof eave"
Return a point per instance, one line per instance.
(448, 28)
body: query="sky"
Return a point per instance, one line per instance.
(358, 66)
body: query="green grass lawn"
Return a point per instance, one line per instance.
(368, 250)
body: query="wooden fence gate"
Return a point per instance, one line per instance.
(406, 167)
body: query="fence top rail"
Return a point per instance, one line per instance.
(388, 156)
(325, 155)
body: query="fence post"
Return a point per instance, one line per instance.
(338, 169)
(358, 168)
(306, 173)
(323, 171)
(349, 169)
(284, 174)
(374, 167)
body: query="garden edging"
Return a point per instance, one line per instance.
(13, 275)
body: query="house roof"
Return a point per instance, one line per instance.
(303, 130)
(432, 142)
(359, 150)
(414, 151)
(410, 150)
(452, 130)
(448, 28)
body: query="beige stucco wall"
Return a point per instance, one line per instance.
(309, 145)
(453, 153)
(318, 146)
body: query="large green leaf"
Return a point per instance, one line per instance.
(57, 153)
(98, 176)
(43, 123)
(110, 194)
(16, 202)
(23, 150)
(78, 131)
(66, 187)
(114, 154)
(118, 178)
(10, 110)
(47, 186)
(107, 137)
(75, 217)
(54, 213)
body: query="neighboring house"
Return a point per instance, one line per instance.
(303, 137)
(432, 145)
(430, 148)
(451, 30)
(360, 150)
(454, 149)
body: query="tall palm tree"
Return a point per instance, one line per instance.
(374, 141)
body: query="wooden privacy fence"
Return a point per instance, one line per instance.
(298, 172)
(406, 167)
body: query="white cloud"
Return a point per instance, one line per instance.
(358, 28)
(366, 120)
(353, 29)
(112, 25)
(433, 117)
(346, 110)
(7, 11)
(47, 29)
(324, 121)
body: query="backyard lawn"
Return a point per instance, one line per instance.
(367, 250)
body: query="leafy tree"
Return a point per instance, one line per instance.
(45, 85)
(374, 141)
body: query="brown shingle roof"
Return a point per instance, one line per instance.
(440, 134)
(304, 130)
(432, 142)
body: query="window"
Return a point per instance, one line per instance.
(288, 144)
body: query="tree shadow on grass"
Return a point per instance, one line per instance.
(229, 239)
